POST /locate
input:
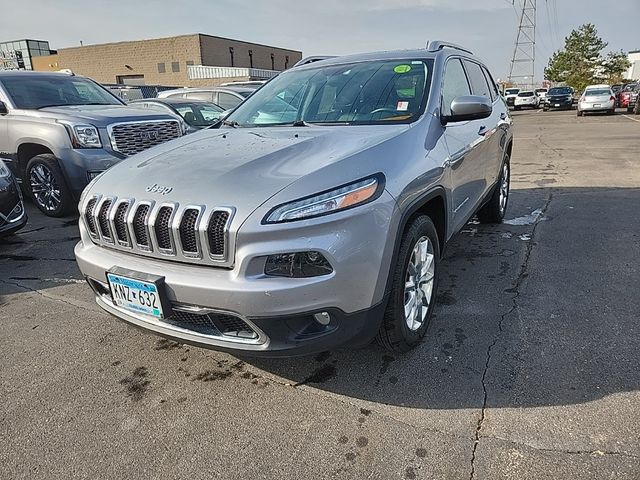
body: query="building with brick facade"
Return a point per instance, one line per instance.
(167, 61)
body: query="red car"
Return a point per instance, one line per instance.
(624, 95)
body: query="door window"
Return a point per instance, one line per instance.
(206, 96)
(227, 101)
(455, 84)
(479, 85)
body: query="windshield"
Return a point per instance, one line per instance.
(38, 92)
(560, 91)
(629, 87)
(597, 92)
(199, 115)
(512, 91)
(526, 94)
(364, 93)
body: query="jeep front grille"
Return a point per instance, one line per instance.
(192, 233)
(134, 137)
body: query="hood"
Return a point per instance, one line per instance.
(100, 115)
(239, 168)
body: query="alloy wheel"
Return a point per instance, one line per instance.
(504, 188)
(45, 188)
(419, 282)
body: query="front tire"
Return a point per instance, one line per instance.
(494, 210)
(578, 113)
(47, 187)
(415, 280)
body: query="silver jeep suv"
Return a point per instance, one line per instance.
(315, 217)
(58, 131)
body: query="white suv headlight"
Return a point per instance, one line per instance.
(341, 198)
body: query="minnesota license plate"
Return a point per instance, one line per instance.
(135, 295)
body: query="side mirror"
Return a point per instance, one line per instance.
(468, 107)
(3, 108)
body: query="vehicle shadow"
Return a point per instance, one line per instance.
(534, 313)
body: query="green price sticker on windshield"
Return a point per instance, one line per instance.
(402, 69)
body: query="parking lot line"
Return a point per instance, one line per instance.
(630, 118)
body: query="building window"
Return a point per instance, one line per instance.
(231, 53)
(130, 79)
(189, 62)
(175, 66)
(250, 58)
(286, 62)
(273, 62)
(162, 68)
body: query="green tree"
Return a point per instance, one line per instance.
(581, 63)
(613, 67)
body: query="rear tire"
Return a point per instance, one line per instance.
(516, 108)
(494, 210)
(413, 292)
(579, 113)
(629, 109)
(611, 112)
(47, 187)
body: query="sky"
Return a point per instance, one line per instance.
(331, 27)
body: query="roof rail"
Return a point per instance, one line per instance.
(439, 45)
(317, 58)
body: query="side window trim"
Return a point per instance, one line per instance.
(493, 87)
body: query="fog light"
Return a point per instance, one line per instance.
(297, 265)
(323, 318)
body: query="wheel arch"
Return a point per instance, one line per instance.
(28, 150)
(433, 204)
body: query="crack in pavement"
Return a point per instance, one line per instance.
(595, 453)
(522, 274)
(56, 298)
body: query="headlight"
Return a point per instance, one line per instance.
(341, 198)
(4, 170)
(87, 136)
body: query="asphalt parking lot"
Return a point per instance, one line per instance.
(529, 369)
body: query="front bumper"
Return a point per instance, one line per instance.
(77, 163)
(279, 310)
(553, 103)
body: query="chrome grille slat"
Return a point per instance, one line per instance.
(103, 220)
(119, 222)
(162, 228)
(89, 216)
(134, 137)
(188, 233)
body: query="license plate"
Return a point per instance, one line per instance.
(138, 296)
(557, 104)
(596, 105)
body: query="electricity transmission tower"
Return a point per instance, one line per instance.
(524, 52)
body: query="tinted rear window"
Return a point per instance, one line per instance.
(526, 94)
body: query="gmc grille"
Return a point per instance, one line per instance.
(132, 138)
(191, 234)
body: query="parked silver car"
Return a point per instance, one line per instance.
(226, 97)
(597, 98)
(58, 131)
(315, 218)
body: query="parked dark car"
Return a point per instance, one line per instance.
(12, 214)
(560, 98)
(197, 114)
